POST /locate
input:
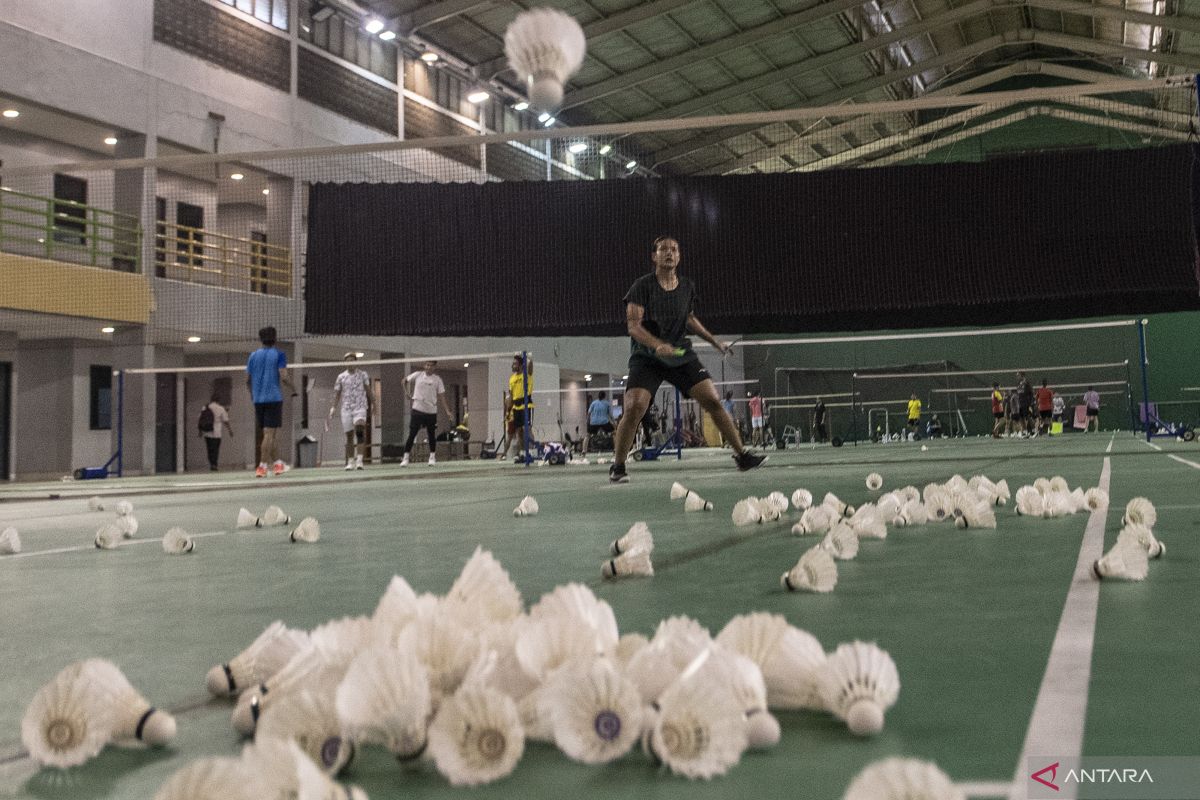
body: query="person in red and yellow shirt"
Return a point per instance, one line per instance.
(997, 410)
(1045, 405)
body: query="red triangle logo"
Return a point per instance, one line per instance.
(1053, 770)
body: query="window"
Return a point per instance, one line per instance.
(70, 217)
(345, 38)
(272, 12)
(189, 234)
(100, 405)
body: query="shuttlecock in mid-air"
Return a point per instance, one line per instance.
(309, 530)
(247, 520)
(858, 683)
(694, 502)
(274, 515)
(528, 507)
(109, 536)
(545, 47)
(874, 481)
(638, 537)
(902, 779)
(176, 542)
(816, 571)
(10, 542)
(633, 562)
(476, 737)
(266, 655)
(1127, 559)
(61, 727)
(1144, 537)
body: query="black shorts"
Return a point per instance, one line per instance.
(913, 421)
(998, 414)
(648, 374)
(594, 429)
(1093, 412)
(269, 415)
(1046, 414)
(1023, 410)
(518, 420)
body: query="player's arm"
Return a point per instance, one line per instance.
(445, 406)
(697, 327)
(337, 399)
(285, 380)
(634, 314)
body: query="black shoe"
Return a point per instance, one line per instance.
(747, 460)
(616, 474)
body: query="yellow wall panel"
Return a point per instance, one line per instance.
(57, 287)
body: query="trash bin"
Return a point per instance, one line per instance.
(307, 452)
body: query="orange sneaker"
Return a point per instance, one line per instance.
(261, 471)
(279, 468)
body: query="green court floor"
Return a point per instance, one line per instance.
(969, 617)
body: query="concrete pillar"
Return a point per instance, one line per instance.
(279, 228)
(132, 349)
(393, 423)
(129, 190)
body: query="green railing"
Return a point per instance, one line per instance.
(199, 255)
(64, 230)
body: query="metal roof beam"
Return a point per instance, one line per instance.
(1179, 23)
(436, 12)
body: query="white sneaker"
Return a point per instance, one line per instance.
(432, 459)
(404, 461)
(349, 464)
(358, 464)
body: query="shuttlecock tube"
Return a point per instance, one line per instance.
(10, 542)
(694, 502)
(528, 507)
(309, 530)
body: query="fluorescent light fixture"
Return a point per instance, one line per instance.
(466, 364)
(624, 377)
(549, 122)
(266, 191)
(110, 140)
(41, 241)
(542, 117)
(429, 56)
(11, 113)
(478, 96)
(374, 25)
(108, 329)
(521, 106)
(587, 377)
(631, 165)
(578, 147)
(237, 176)
(387, 36)
(193, 339)
(605, 149)
(359, 355)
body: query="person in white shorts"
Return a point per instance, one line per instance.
(427, 392)
(352, 393)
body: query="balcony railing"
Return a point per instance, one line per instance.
(64, 230)
(199, 255)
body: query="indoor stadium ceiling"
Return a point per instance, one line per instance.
(679, 58)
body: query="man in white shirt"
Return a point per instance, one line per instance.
(352, 393)
(212, 438)
(426, 393)
(1091, 399)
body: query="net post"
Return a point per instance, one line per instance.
(1145, 362)
(528, 403)
(678, 426)
(120, 423)
(854, 406)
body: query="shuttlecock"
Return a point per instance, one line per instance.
(61, 727)
(247, 520)
(130, 715)
(694, 502)
(977, 514)
(109, 537)
(309, 530)
(216, 779)
(858, 683)
(914, 512)
(1144, 537)
(866, 522)
(841, 541)
(801, 499)
(874, 481)
(274, 516)
(746, 512)
(528, 507)
(1030, 502)
(815, 521)
(128, 525)
(445, 646)
(10, 542)
(1096, 498)
(1141, 511)
(1059, 484)
(777, 501)
(595, 712)
(697, 733)
(678, 491)
(384, 699)
(266, 655)
(177, 542)
(633, 562)
(1001, 495)
(816, 571)
(124, 508)
(767, 510)
(287, 771)
(889, 506)
(902, 779)
(476, 737)
(484, 592)
(638, 536)
(788, 657)
(95, 504)
(1127, 559)
(544, 47)
(836, 507)
(310, 720)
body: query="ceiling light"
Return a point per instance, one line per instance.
(466, 364)
(587, 377)
(578, 147)
(108, 329)
(549, 121)
(631, 165)
(374, 25)
(542, 117)
(11, 113)
(521, 106)
(237, 176)
(110, 140)
(193, 339)
(387, 36)
(478, 96)
(359, 355)
(429, 56)
(624, 377)
(605, 149)
(266, 191)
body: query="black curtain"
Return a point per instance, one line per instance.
(1048, 236)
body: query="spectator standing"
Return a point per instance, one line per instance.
(1045, 407)
(212, 438)
(1091, 399)
(819, 421)
(266, 376)
(997, 410)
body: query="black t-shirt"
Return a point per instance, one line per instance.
(819, 412)
(666, 315)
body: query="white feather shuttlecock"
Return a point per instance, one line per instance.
(727, 670)
(697, 733)
(815, 521)
(816, 571)
(889, 505)
(676, 643)
(746, 512)
(131, 715)
(483, 592)
(476, 737)
(637, 537)
(576, 604)
(528, 507)
(124, 508)
(633, 562)
(866, 522)
(270, 652)
(1144, 537)
(835, 505)
(841, 541)
(177, 542)
(1126, 560)
(96, 504)
(1002, 494)
(595, 712)
(1096, 498)
(629, 645)
(310, 719)
(678, 491)
(801, 499)
(245, 520)
(445, 647)
(309, 530)
(913, 513)
(128, 525)
(384, 700)
(1042, 485)
(10, 542)
(1059, 484)
(977, 515)
(1030, 502)
(767, 511)
(61, 726)
(694, 502)
(274, 515)
(1141, 511)
(858, 683)
(109, 537)
(544, 47)
(289, 772)
(874, 481)
(777, 501)
(220, 778)
(902, 779)
(788, 657)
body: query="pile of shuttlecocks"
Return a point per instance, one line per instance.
(754, 510)
(902, 779)
(630, 555)
(691, 500)
(1053, 497)
(1136, 544)
(88, 705)
(110, 534)
(463, 680)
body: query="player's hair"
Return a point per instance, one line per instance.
(661, 239)
(267, 335)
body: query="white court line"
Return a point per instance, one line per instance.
(1191, 464)
(1056, 727)
(82, 548)
(984, 789)
(1151, 444)
(1110, 443)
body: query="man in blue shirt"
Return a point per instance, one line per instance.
(266, 374)
(599, 419)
